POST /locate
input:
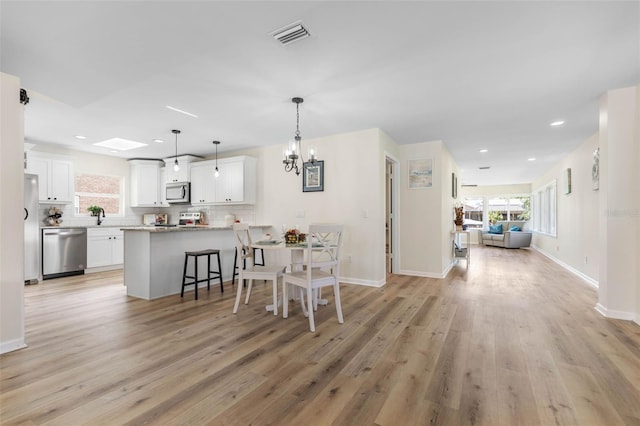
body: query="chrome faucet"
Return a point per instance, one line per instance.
(103, 216)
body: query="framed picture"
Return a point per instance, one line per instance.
(313, 176)
(567, 181)
(454, 185)
(420, 173)
(595, 170)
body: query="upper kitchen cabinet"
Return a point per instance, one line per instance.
(147, 184)
(55, 177)
(183, 174)
(236, 183)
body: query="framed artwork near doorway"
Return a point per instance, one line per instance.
(454, 185)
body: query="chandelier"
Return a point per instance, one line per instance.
(293, 150)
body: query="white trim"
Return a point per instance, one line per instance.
(365, 283)
(12, 345)
(621, 315)
(425, 274)
(574, 271)
(104, 268)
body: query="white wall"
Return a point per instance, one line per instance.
(11, 215)
(576, 243)
(426, 215)
(619, 198)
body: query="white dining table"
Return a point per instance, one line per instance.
(297, 260)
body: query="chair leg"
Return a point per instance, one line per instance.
(312, 324)
(238, 297)
(208, 272)
(195, 274)
(275, 296)
(184, 275)
(336, 294)
(302, 302)
(220, 274)
(246, 301)
(235, 268)
(285, 299)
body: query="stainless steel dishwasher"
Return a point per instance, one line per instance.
(64, 252)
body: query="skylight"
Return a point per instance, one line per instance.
(120, 144)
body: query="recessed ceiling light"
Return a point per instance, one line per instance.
(182, 112)
(80, 137)
(484, 150)
(557, 123)
(158, 141)
(531, 159)
(113, 150)
(120, 144)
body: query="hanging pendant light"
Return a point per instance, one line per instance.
(293, 151)
(217, 172)
(176, 166)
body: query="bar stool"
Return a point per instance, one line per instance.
(194, 277)
(244, 265)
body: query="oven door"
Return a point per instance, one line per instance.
(178, 193)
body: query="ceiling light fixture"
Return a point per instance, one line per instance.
(531, 159)
(176, 166)
(217, 172)
(181, 111)
(484, 150)
(80, 137)
(557, 123)
(158, 141)
(293, 151)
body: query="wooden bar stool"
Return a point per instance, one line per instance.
(216, 274)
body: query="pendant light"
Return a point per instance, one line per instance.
(293, 151)
(176, 166)
(217, 172)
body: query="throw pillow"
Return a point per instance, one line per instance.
(514, 228)
(495, 229)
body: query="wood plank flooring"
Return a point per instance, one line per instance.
(513, 340)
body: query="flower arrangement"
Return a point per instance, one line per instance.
(458, 208)
(294, 236)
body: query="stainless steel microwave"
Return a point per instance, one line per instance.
(178, 193)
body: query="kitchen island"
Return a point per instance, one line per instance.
(154, 256)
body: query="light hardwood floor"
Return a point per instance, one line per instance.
(513, 340)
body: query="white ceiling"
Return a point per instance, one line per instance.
(473, 74)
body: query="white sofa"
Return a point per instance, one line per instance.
(508, 239)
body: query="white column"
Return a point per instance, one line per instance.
(11, 215)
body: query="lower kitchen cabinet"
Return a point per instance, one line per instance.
(105, 247)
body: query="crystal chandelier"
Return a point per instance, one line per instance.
(293, 150)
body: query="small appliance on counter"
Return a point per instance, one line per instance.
(191, 219)
(157, 219)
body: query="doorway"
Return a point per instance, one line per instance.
(391, 213)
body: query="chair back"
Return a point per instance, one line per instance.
(324, 242)
(243, 241)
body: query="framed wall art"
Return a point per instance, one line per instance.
(420, 173)
(454, 185)
(313, 176)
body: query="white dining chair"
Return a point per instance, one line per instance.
(252, 271)
(321, 269)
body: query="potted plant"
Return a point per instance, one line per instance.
(95, 210)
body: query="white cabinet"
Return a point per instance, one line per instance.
(183, 174)
(236, 183)
(55, 177)
(105, 247)
(203, 185)
(146, 184)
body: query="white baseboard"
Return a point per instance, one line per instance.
(424, 274)
(621, 315)
(104, 268)
(12, 345)
(569, 268)
(366, 283)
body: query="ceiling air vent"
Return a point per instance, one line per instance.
(484, 167)
(291, 33)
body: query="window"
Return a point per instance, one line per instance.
(509, 208)
(473, 212)
(98, 190)
(544, 209)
